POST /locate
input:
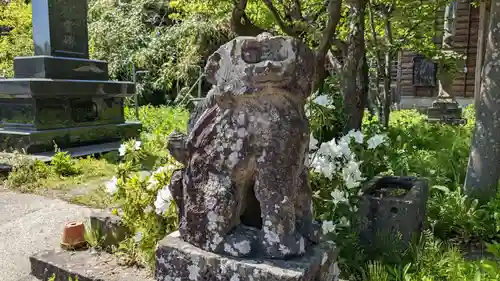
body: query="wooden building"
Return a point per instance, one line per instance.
(415, 82)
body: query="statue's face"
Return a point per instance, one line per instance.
(269, 61)
(262, 61)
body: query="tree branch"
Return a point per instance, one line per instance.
(240, 23)
(297, 10)
(326, 42)
(418, 23)
(340, 45)
(285, 27)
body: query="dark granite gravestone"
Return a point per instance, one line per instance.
(60, 95)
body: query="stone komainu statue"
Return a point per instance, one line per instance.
(244, 190)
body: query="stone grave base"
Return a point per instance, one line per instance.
(33, 141)
(177, 260)
(86, 265)
(448, 112)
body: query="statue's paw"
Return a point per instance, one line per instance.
(311, 230)
(241, 242)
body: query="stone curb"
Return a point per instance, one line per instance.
(86, 265)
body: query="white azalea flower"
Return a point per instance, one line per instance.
(143, 175)
(350, 183)
(328, 227)
(333, 150)
(152, 182)
(137, 145)
(327, 149)
(161, 170)
(122, 150)
(376, 140)
(338, 196)
(313, 143)
(138, 237)
(322, 100)
(343, 148)
(356, 135)
(163, 199)
(307, 111)
(344, 222)
(324, 166)
(112, 186)
(351, 174)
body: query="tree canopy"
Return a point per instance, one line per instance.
(16, 16)
(171, 39)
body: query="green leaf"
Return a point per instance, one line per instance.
(444, 189)
(477, 276)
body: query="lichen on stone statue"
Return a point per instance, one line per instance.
(244, 189)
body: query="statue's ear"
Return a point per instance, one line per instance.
(212, 67)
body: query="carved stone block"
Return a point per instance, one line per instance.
(394, 207)
(446, 112)
(179, 260)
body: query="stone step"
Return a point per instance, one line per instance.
(80, 151)
(74, 152)
(87, 265)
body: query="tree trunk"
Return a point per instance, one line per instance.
(374, 99)
(333, 10)
(388, 68)
(240, 23)
(483, 170)
(363, 85)
(353, 60)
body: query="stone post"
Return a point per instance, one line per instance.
(445, 108)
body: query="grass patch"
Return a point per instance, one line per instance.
(96, 198)
(75, 180)
(80, 181)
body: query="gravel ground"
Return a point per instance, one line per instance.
(30, 224)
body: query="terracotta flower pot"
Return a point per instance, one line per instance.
(73, 236)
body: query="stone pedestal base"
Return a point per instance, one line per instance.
(34, 141)
(177, 260)
(445, 111)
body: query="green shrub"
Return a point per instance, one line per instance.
(160, 120)
(139, 191)
(63, 164)
(26, 173)
(438, 152)
(147, 208)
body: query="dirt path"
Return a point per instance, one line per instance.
(30, 224)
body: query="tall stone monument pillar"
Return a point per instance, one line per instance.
(60, 96)
(445, 108)
(244, 200)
